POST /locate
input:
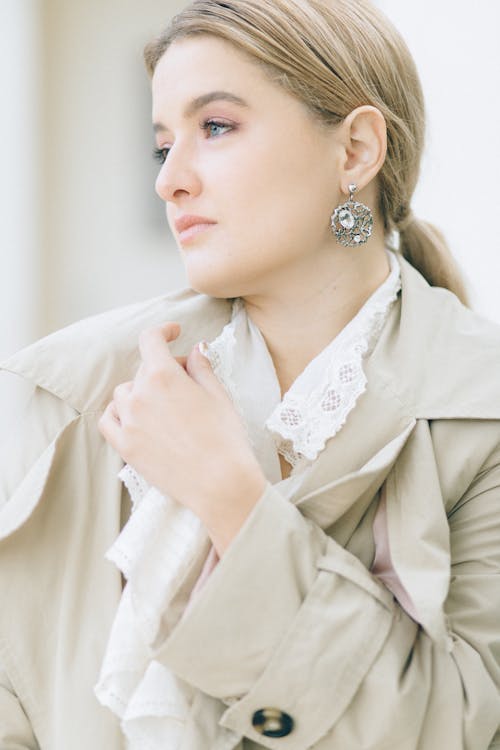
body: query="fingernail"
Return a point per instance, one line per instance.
(203, 347)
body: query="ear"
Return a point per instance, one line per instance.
(364, 139)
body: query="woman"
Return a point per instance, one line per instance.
(310, 434)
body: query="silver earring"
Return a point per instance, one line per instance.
(352, 222)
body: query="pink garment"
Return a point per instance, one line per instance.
(210, 564)
(382, 566)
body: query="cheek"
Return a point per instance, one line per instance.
(272, 204)
(278, 187)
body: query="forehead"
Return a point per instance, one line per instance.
(193, 65)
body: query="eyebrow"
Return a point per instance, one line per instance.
(200, 101)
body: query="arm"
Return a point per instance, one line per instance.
(334, 650)
(31, 420)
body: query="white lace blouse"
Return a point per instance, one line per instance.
(164, 551)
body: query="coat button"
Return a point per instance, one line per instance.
(271, 722)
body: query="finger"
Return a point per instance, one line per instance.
(109, 425)
(121, 395)
(142, 372)
(153, 345)
(199, 368)
(182, 361)
(114, 414)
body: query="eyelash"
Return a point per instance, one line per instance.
(160, 154)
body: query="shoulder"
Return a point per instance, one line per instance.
(82, 363)
(442, 358)
(57, 387)
(440, 312)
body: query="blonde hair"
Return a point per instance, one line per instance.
(336, 55)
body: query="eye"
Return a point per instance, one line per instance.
(207, 125)
(160, 154)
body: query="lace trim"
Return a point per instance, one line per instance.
(303, 421)
(220, 353)
(308, 416)
(137, 486)
(157, 549)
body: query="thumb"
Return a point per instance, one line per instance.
(198, 366)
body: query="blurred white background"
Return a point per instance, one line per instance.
(82, 229)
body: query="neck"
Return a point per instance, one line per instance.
(314, 303)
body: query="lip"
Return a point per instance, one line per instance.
(189, 220)
(192, 231)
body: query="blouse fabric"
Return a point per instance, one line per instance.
(164, 551)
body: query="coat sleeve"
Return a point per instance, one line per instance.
(31, 420)
(291, 621)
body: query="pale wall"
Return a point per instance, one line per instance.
(20, 172)
(455, 45)
(107, 241)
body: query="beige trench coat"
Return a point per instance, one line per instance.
(291, 618)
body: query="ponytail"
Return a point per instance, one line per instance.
(425, 247)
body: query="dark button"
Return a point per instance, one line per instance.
(271, 722)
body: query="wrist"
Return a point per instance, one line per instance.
(224, 518)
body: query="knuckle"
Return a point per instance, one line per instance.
(122, 391)
(157, 375)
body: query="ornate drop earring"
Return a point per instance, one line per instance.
(352, 222)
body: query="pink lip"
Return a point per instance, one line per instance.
(186, 221)
(188, 234)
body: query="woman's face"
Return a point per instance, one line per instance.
(263, 170)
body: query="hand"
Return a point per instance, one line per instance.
(176, 425)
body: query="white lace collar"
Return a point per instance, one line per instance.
(317, 404)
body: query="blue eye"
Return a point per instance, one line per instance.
(160, 154)
(215, 124)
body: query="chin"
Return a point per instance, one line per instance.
(213, 286)
(215, 280)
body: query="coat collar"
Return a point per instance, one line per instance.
(82, 363)
(430, 356)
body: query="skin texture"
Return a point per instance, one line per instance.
(270, 176)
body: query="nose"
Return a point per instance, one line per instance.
(177, 177)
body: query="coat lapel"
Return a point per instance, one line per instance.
(355, 462)
(418, 531)
(416, 371)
